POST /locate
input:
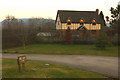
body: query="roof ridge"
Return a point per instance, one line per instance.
(74, 11)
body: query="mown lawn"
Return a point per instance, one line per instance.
(37, 69)
(65, 49)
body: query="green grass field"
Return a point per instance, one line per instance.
(37, 69)
(65, 50)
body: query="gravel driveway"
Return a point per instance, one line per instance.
(101, 64)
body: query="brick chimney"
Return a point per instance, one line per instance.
(97, 10)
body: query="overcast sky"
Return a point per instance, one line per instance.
(48, 8)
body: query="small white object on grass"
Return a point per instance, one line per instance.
(47, 64)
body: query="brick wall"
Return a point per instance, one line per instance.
(81, 33)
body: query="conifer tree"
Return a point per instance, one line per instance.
(102, 40)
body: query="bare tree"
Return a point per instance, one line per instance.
(16, 32)
(19, 32)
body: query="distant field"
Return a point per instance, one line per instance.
(65, 50)
(37, 69)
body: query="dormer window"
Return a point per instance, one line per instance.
(81, 22)
(94, 22)
(69, 21)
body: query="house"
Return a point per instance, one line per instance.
(78, 20)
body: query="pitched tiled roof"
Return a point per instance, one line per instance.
(75, 16)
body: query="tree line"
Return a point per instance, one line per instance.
(19, 32)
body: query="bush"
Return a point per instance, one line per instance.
(103, 40)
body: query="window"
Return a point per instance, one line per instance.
(94, 22)
(81, 22)
(69, 21)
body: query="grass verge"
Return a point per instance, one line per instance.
(65, 50)
(37, 69)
